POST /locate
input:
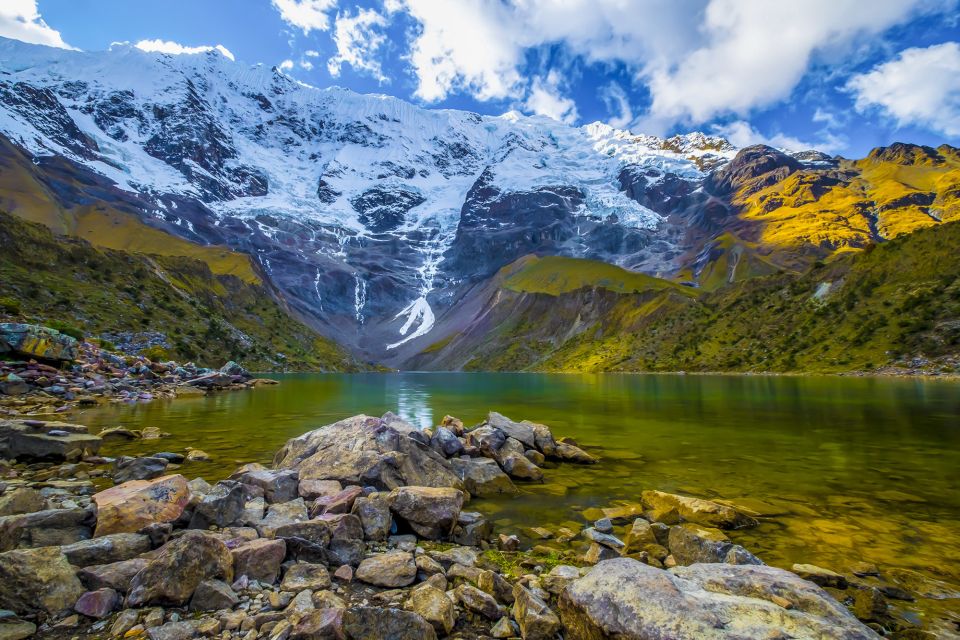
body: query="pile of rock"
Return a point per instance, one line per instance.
(360, 530)
(57, 373)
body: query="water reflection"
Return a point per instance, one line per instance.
(413, 403)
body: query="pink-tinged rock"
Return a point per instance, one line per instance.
(344, 573)
(128, 507)
(97, 604)
(259, 559)
(341, 502)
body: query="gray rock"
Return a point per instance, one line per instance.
(472, 528)
(21, 500)
(690, 544)
(259, 559)
(106, 549)
(536, 620)
(607, 540)
(52, 527)
(304, 575)
(126, 469)
(392, 569)
(522, 431)
(180, 630)
(374, 514)
(173, 574)
(221, 507)
(213, 595)
(22, 441)
(281, 514)
(434, 606)
(483, 477)
(478, 601)
(697, 510)
(629, 600)
(16, 629)
(36, 341)
(277, 485)
(365, 623)
(488, 439)
(366, 451)
(430, 511)
(820, 576)
(38, 581)
(115, 575)
(446, 442)
(517, 465)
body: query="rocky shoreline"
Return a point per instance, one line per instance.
(363, 529)
(48, 373)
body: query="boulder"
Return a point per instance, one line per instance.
(51, 527)
(365, 623)
(489, 440)
(32, 440)
(341, 502)
(126, 469)
(221, 507)
(97, 604)
(483, 477)
(536, 620)
(38, 581)
(570, 453)
(280, 514)
(276, 485)
(640, 535)
(213, 595)
(690, 544)
(496, 585)
(366, 451)
(430, 511)
(705, 512)
(522, 431)
(35, 341)
(107, 549)
(629, 600)
(313, 489)
(319, 624)
(128, 507)
(16, 629)
(392, 569)
(374, 514)
(820, 576)
(115, 575)
(434, 606)
(171, 577)
(478, 601)
(304, 575)
(178, 630)
(21, 500)
(472, 529)
(259, 559)
(446, 443)
(519, 466)
(559, 577)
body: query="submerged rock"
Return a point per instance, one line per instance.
(628, 600)
(711, 514)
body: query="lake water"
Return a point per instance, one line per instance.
(853, 469)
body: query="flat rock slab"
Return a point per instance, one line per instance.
(30, 440)
(129, 507)
(626, 599)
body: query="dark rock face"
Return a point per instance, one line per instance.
(42, 107)
(752, 163)
(385, 209)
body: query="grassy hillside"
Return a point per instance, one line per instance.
(200, 315)
(556, 275)
(862, 311)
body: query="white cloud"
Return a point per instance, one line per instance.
(699, 59)
(175, 48)
(306, 64)
(286, 65)
(921, 86)
(545, 100)
(618, 105)
(20, 20)
(358, 39)
(306, 15)
(741, 133)
(310, 53)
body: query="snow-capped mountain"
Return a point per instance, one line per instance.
(366, 212)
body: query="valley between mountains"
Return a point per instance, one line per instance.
(196, 208)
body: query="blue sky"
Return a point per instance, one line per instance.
(839, 75)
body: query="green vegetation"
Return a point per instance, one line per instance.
(555, 275)
(860, 311)
(206, 317)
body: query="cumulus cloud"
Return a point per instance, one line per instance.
(20, 20)
(306, 15)
(921, 86)
(741, 133)
(699, 59)
(286, 65)
(545, 99)
(175, 48)
(358, 39)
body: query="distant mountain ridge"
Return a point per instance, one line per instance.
(374, 219)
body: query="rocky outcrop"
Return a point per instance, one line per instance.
(626, 599)
(365, 451)
(35, 341)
